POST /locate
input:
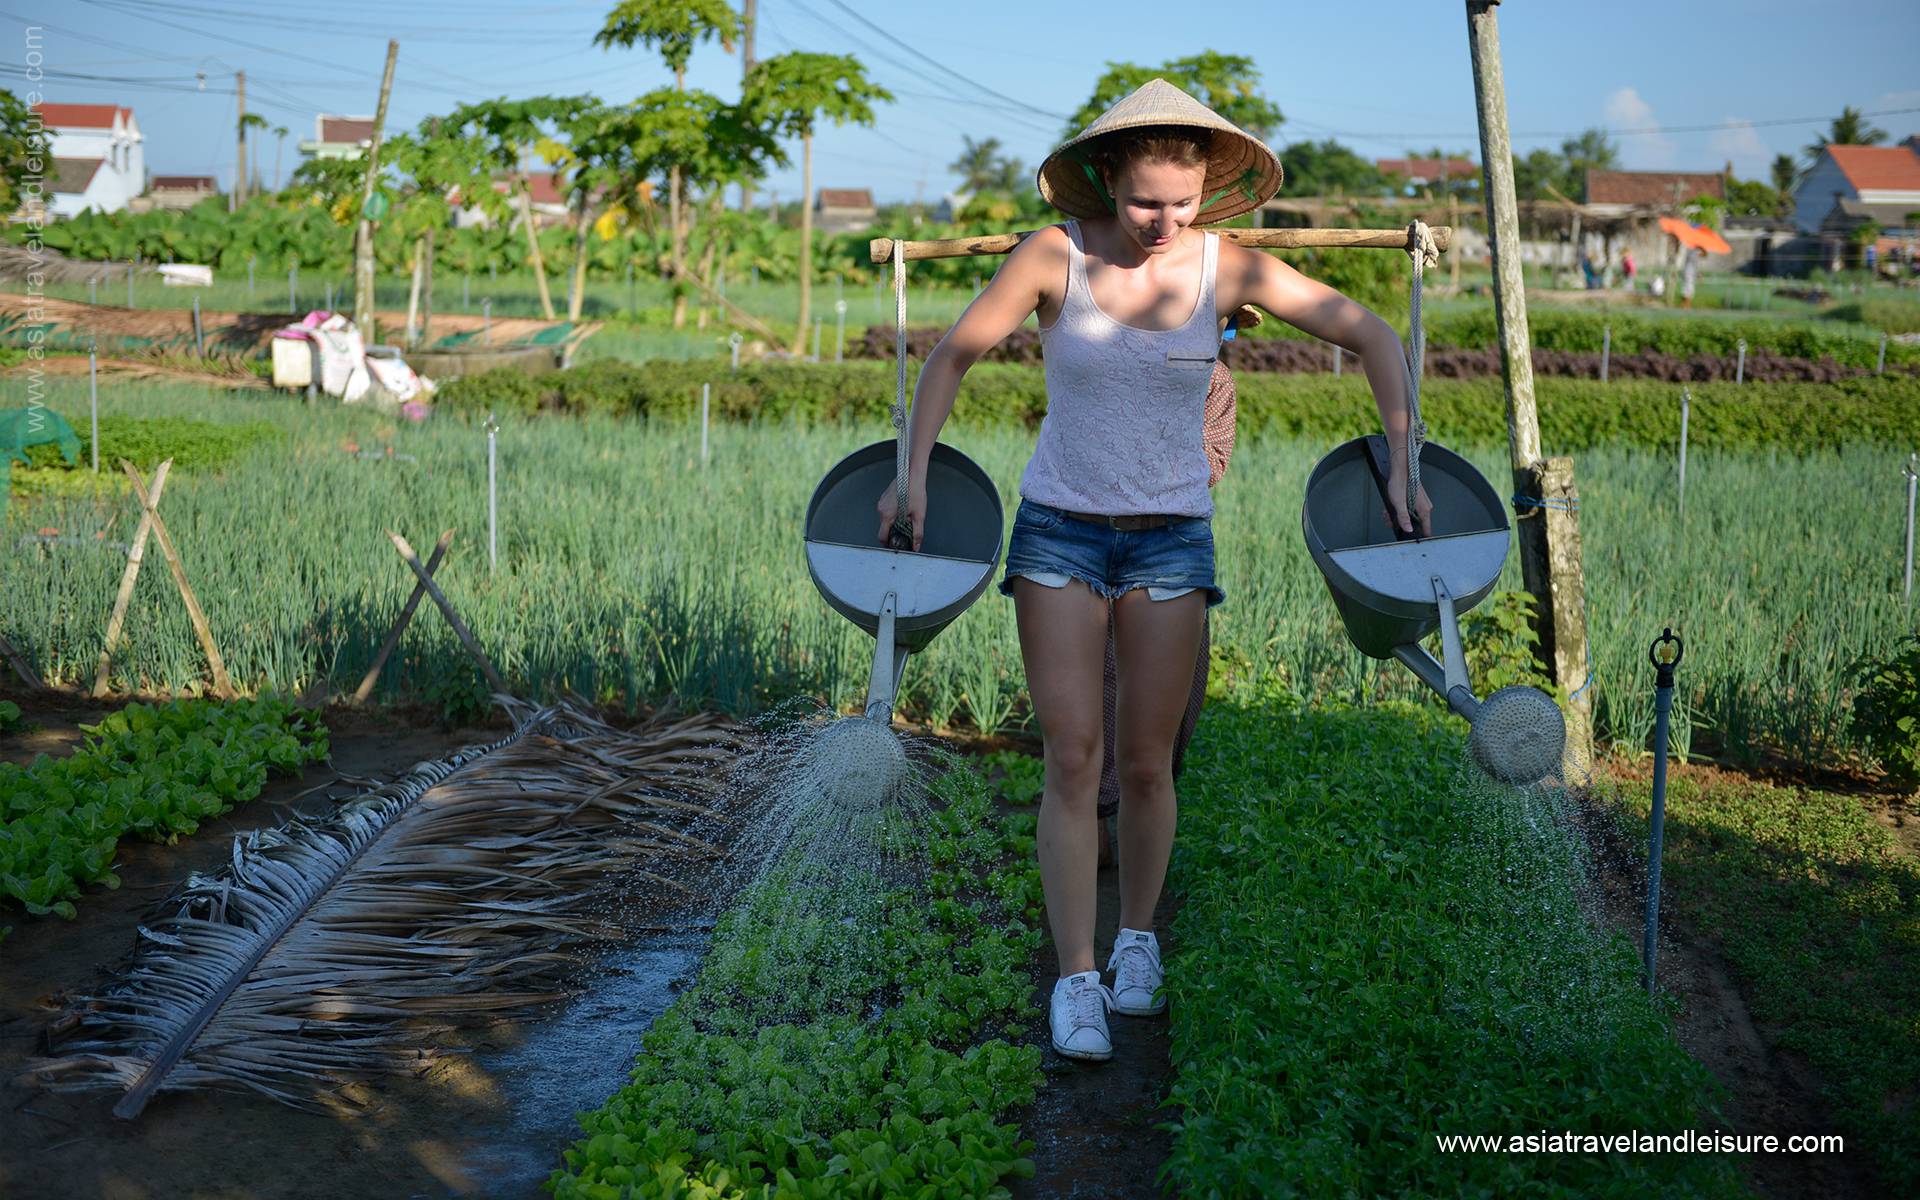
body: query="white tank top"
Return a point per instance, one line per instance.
(1123, 432)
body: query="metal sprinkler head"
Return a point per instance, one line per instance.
(858, 764)
(1519, 736)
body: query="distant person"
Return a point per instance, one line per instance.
(1689, 275)
(1627, 268)
(1590, 271)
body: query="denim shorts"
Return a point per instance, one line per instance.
(1048, 544)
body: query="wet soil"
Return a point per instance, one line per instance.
(488, 1124)
(1095, 1126)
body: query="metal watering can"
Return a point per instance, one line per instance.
(902, 597)
(1393, 589)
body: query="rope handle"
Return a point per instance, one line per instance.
(1425, 253)
(900, 537)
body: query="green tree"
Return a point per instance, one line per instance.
(1592, 150)
(23, 154)
(439, 159)
(788, 94)
(1226, 83)
(673, 28)
(1785, 173)
(507, 128)
(1535, 171)
(1850, 128)
(1322, 168)
(279, 147)
(978, 164)
(1751, 198)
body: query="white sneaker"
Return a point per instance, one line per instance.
(1079, 1017)
(1135, 964)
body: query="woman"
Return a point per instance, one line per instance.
(1115, 506)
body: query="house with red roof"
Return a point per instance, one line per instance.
(99, 157)
(1851, 185)
(335, 136)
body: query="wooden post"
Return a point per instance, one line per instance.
(1559, 642)
(239, 192)
(453, 618)
(134, 554)
(1563, 616)
(361, 693)
(222, 686)
(363, 245)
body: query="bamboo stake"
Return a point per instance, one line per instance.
(459, 627)
(222, 686)
(361, 693)
(880, 250)
(134, 554)
(740, 315)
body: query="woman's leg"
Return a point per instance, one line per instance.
(1156, 643)
(1062, 637)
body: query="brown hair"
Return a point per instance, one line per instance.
(1178, 145)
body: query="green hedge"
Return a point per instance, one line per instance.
(1634, 333)
(1574, 413)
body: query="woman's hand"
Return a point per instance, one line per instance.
(1397, 490)
(889, 507)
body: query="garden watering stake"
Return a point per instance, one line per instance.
(486, 320)
(1606, 350)
(1740, 364)
(706, 390)
(93, 289)
(1912, 472)
(733, 345)
(1665, 655)
(199, 341)
(1686, 402)
(493, 507)
(249, 275)
(1880, 364)
(839, 330)
(130, 286)
(293, 289)
(93, 417)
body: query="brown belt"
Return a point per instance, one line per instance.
(1129, 523)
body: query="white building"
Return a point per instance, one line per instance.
(1884, 181)
(99, 157)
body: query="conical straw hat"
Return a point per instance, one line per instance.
(1242, 172)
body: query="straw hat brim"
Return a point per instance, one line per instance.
(1240, 165)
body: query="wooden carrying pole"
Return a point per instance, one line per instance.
(135, 553)
(363, 239)
(222, 686)
(1550, 571)
(881, 249)
(453, 618)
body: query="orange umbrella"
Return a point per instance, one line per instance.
(1697, 236)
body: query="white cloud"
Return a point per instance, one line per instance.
(1625, 110)
(1739, 143)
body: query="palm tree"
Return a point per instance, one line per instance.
(674, 28)
(1785, 174)
(1850, 128)
(978, 164)
(788, 93)
(280, 132)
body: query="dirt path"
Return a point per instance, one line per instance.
(1094, 1124)
(491, 1124)
(1769, 1090)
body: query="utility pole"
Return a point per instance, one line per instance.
(1546, 503)
(363, 247)
(239, 194)
(746, 69)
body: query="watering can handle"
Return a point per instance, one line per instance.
(900, 537)
(1380, 465)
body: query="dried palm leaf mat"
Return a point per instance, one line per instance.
(334, 948)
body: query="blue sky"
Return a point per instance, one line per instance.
(1696, 84)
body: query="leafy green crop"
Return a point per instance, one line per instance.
(840, 1073)
(156, 772)
(1886, 710)
(1575, 414)
(1356, 967)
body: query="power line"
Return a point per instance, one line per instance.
(966, 79)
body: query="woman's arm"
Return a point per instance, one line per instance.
(1262, 279)
(1036, 268)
